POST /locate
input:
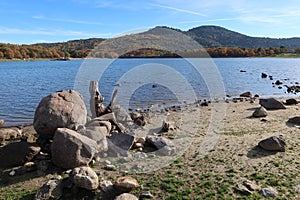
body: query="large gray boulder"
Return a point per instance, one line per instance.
(71, 149)
(273, 143)
(271, 104)
(85, 177)
(63, 109)
(18, 153)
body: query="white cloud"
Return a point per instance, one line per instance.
(180, 10)
(46, 32)
(40, 17)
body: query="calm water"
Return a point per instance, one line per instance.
(143, 81)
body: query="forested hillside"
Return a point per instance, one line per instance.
(218, 42)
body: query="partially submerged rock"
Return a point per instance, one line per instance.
(271, 104)
(273, 143)
(63, 109)
(246, 94)
(71, 149)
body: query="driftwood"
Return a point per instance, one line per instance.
(96, 101)
(99, 110)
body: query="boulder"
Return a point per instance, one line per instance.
(294, 120)
(269, 192)
(273, 143)
(85, 177)
(126, 196)
(246, 94)
(53, 189)
(71, 149)
(271, 104)
(164, 146)
(63, 109)
(126, 184)
(17, 153)
(260, 112)
(291, 102)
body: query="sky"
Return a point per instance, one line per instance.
(35, 21)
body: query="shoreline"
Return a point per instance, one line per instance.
(164, 106)
(71, 59)
(233, 158)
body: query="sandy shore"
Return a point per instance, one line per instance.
(231, 138)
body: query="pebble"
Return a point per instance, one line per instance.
(12, 173)
(111, 167)
(146, 195)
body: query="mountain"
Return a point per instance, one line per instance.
(215, 36)
(160, 41)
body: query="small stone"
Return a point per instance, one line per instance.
(126, 184)
(126, 196)
(53, 189)
(251, 186)
(273, 143)
(260, 112)
(243, 189)
(138, 145)
(107, 162)
(106, 186)
(297, 188)
(12, 173)
(291, 102)
(294, 120)
(268, 192)
(111, 167)
(146, 195)
(141, 140)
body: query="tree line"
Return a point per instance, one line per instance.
(13, 51)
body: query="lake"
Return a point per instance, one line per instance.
(143, 82)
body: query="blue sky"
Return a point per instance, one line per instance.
(32, 21)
